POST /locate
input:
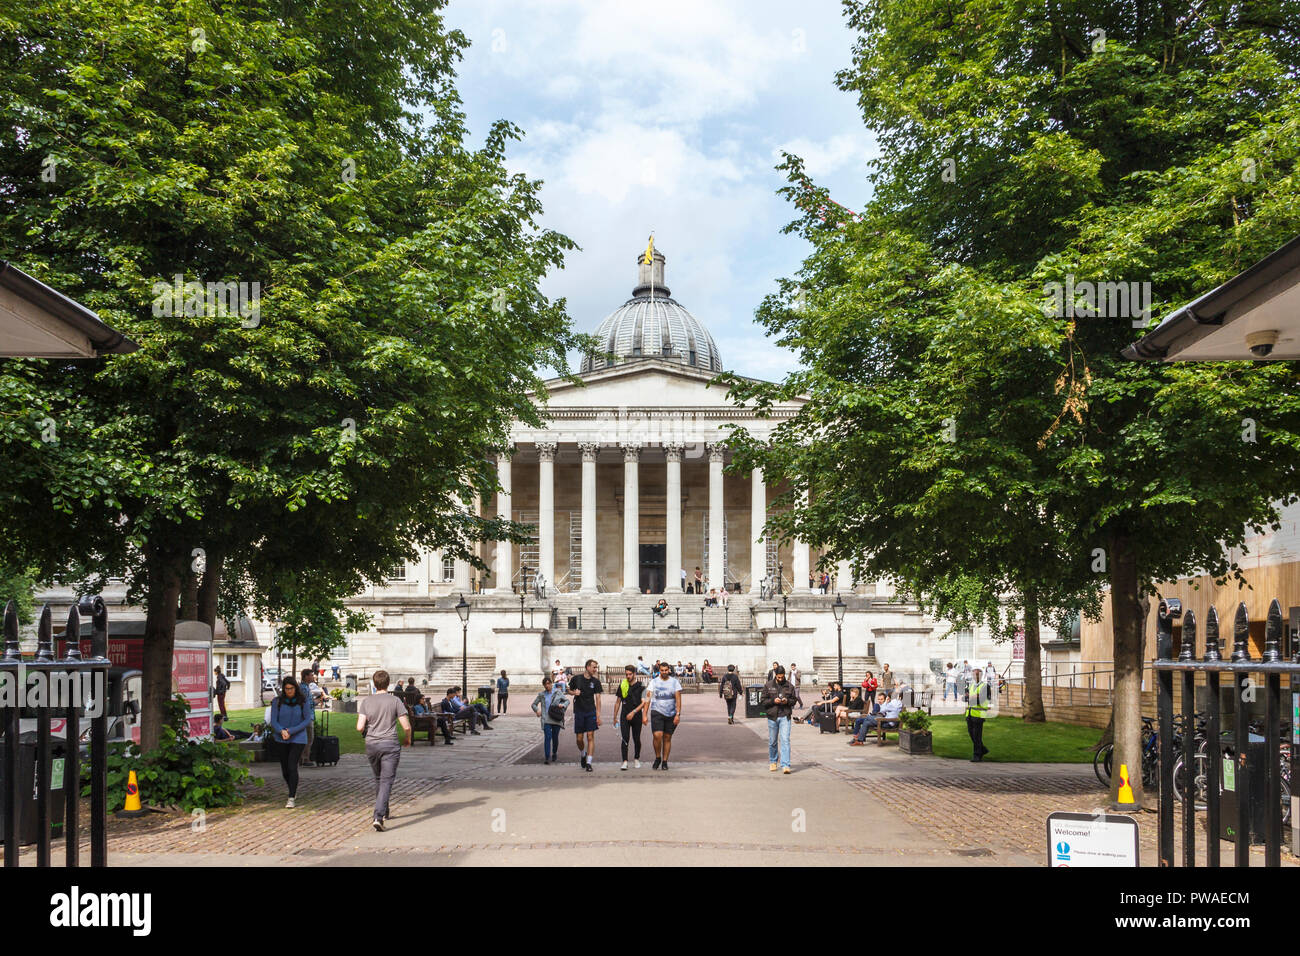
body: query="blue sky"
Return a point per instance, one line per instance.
(670, 116)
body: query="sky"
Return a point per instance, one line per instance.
(670, 116)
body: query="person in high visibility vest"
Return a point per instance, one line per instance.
(976, 710)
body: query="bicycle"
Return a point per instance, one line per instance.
(1150, 769)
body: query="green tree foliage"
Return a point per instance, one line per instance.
(317, 149)
(962, 431)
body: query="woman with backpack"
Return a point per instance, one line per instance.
(550, 705)
(291, 714)
(730, 691)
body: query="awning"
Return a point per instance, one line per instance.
(38, 322)
(1260, 307)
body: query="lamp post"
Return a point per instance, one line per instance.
(838, 609)
(780, 589)
(463, 610)
(785, 611)
(523, 592)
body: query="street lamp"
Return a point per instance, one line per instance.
(463, 610)
(523, 592)
(838, 609)
(779, 570)
(785, 611)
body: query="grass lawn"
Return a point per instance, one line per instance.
(342, 726)
(1011, 740)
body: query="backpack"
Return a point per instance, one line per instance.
(728, 687)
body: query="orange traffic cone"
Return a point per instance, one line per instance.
(132, 808)
(1125, 788)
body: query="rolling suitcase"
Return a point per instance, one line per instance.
(826, 722)
(324, 748)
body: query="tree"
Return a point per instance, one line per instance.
(1042, 143)
(335, 298)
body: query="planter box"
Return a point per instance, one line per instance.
(346, 706)
(910, 742)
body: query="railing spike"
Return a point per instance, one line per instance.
(12, 650)
(72, 634)
(1212, 654)
(1241, 634)
(1188, 651)
(45, 636)
(1273, 632)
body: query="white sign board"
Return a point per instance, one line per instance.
(1091, 839)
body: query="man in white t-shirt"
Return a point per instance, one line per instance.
(663, 706)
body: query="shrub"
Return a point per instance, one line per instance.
(190, 774)
(917, 721)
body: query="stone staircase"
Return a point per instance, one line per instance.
(855, 669)
(445, 672)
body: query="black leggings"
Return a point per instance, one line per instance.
(731, 705)
(501, 703)
(290, 755)
(632, 727)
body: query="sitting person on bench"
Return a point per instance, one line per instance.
(832, 697)
(479, 704)
(853, 702)
(885, 712)
(451, 705)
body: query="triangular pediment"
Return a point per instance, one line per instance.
(653, 383)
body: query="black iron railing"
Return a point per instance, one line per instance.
(1279, 761)
(34, 682)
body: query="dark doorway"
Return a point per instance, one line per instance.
(653, 557)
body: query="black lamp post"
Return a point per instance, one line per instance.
(785, 611)
(463, 610)
(779, 571)
(523, 592)
(838, 609)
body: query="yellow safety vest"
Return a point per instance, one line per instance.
(974, 709)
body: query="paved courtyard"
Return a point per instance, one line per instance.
(491, 800)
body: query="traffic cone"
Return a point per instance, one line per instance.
(132, 808)
(1125, 788)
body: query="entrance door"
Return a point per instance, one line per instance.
(653, 557)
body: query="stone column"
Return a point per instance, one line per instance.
(631, 518)
(673, 518)
(503, 570)
(844, 577)
(589, 452)
(546, 511)
(716, 569)
(801, 562)
(757, 518)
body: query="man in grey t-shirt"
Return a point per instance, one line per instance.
(377, 718)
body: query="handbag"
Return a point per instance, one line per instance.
(556, 711)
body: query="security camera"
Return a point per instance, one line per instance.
(1261, 343)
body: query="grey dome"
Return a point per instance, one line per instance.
(653, 326)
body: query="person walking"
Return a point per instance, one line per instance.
(220, 685)
(627, 713)
(585, 690)
(291, 715)
(950, 682)
(977, 709)
(730, 691)
(887, 680)
(378, 716)
(664, 706)
(315, 696)
(550, 705)
(779, 698)
(503, 691)
(796, 678)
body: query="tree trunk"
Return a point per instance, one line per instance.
(1032, 706)
(165, 572)
(207, 593)
(1126, 621)
(189, 609)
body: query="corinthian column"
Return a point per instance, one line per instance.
(757, 518)
(546, 511)
(589, 452)
(801, 563)
(631, 518)
(717, 568)
(673, 518)
(503, 571)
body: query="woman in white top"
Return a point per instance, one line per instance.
(950, 680)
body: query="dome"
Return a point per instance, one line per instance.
(652, 324)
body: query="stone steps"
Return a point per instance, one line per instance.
(446, 671)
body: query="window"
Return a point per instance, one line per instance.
(397, 572)
(448, 568)
(231, 668)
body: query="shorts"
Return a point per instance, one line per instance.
(584, 721)
(662, 723)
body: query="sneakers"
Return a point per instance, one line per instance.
(785, 769)
(637, 763)
(378, 824)
(624, 767)
(655, 765)
(664, 765)
(773, 767)
(855, 742)
(290, 804)
(476, 733)
(588, 767)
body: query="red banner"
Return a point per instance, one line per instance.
(122, 651)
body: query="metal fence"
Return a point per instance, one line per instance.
(1279, 761)
(641, 617)
(26, 765)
